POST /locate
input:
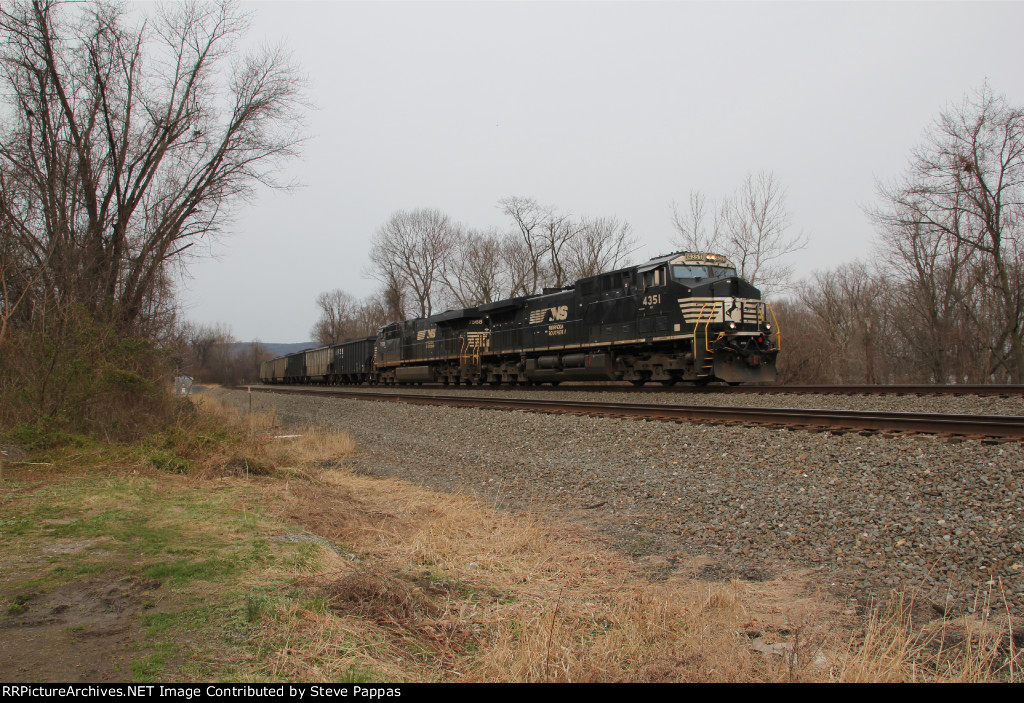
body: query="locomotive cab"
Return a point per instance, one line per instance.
(734, 338)
(696, 274)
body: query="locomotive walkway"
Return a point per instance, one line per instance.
(1002, 427)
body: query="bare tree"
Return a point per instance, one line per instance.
(601, 244)
(343, 316)
(849, 302)
(557, 233)
(752, 227)
(372, 314)
(698, 225)
(518, 265)
(409, 251)
(807, 354)
(473, 269)
(393, 294)
(251, 358)
(964, 189)
(554, 244)
(206, 345)
(123, 145)
(18, 277)
(210, 353)
(338, 317)
(530, 218)
(423, 255)
(934, 281)
(756, 226)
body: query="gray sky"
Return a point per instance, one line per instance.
(598, 108)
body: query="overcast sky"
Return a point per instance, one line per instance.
(598, 108)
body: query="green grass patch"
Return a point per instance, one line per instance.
(168, 461)
(188, 570)
(69, 572)
(149, 669)
(187, 618)
(19, 604)
(190, 552)
(43, 435)
(10, 527)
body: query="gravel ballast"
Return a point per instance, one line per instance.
(943, 518)
(943, 403)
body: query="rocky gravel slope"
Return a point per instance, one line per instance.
(944, 518)
(967, 404)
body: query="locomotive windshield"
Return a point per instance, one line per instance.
(699, 272)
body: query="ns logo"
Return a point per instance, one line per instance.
(557, 313)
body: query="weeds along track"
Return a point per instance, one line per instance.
(986, 427)
(872, 511)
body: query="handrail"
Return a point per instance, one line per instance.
(778, 330)
(707, 343)
(469, 354)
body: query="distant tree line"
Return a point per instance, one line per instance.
(209, 353)
(426, 262)
(942, 298)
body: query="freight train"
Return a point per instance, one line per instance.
(685, 316)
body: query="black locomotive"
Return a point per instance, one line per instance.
(682, 317)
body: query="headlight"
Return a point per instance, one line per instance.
(768, 326)
(732, 325)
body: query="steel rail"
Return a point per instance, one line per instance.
(995, 426)
(682, 388)
(822, 389)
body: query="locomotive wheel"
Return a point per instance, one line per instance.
(555, 383)
(638, 383)
(669, 382)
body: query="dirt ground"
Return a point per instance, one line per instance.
(79, 633)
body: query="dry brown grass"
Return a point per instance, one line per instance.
(427, 586)
(983, 646)
(449, 589)
(220, 412)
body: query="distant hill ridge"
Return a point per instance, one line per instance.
(277, 349)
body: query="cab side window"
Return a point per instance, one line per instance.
(655, 277)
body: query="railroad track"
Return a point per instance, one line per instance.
(990, 427)
(1003, 391)
(979, 389)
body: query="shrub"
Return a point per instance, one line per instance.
(78, 375)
